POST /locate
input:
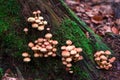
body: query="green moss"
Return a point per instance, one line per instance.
(70, 30)
(13, 42)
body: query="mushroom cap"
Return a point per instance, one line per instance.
(54, 55)
(103, 57)
(111, 60)
(68, 42)
(34, 12)
(69, 48)
(43, 50)
(97, 59)
(69, 59)
(43, 46)
(107, 52)
(64, 62)
(31, 19)
(63, 59)
(40, 28)
(45, 22)
(41, 55)
(40, 39)
(80, 58)
(34, 48)
(27, 59)
(50, 53)
(25, 54)
(55, 42)
(54, 49)
(48, 29)
(102, 52)
(25, 29)
(37, 21)
(104, 62)
(110, 65)
(36, 41)
(48, 35)
(38, 11)
(46, 43)
(41, 18)
(79, 50)
(34, 25)
(65, 53)
(36, 55)
(63, 47)
(106, 67)
(97, 54)
(49, 47)
(30, 44)
(71, 72)
(77, 55)
(46, 55)
(69, 65)
(73, 52)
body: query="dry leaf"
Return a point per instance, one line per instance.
(97, 19)
(115, 30)
(107, 28)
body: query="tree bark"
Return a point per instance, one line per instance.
(56, 12)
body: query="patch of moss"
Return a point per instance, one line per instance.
(12, 43)
(70, 30)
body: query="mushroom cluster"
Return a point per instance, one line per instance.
(37, 21)
(70, 53)
(26, 57)
(44, 47)
(103, 60)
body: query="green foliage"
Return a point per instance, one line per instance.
(1, 73)
(70, 30)
(12, 41)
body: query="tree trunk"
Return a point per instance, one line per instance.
(66, 25)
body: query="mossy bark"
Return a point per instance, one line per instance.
(66, 25)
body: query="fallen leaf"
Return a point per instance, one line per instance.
(115, 30)
(97, 19)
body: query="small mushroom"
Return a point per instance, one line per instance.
(65, 53)
(68, 42)
(55, 42)
(69, 65)
(34, 25)
(79, 50)
(31, 19)
(25, 30)
(37, 21)
(107, 52)
(50, 53)
(41, 18)
(36, 55)
(25, 54)
(45, 22)
(69, 59)
(54, 55)
(27, 59)
(48, 36)
(103, 57)
(63, 47)
(73, 52)
(112, 59)
(30, 44)
(40, 28)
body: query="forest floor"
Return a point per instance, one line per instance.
(100, 15)
(103, 18)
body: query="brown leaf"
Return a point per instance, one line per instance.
(115, 30)
(97, 19)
